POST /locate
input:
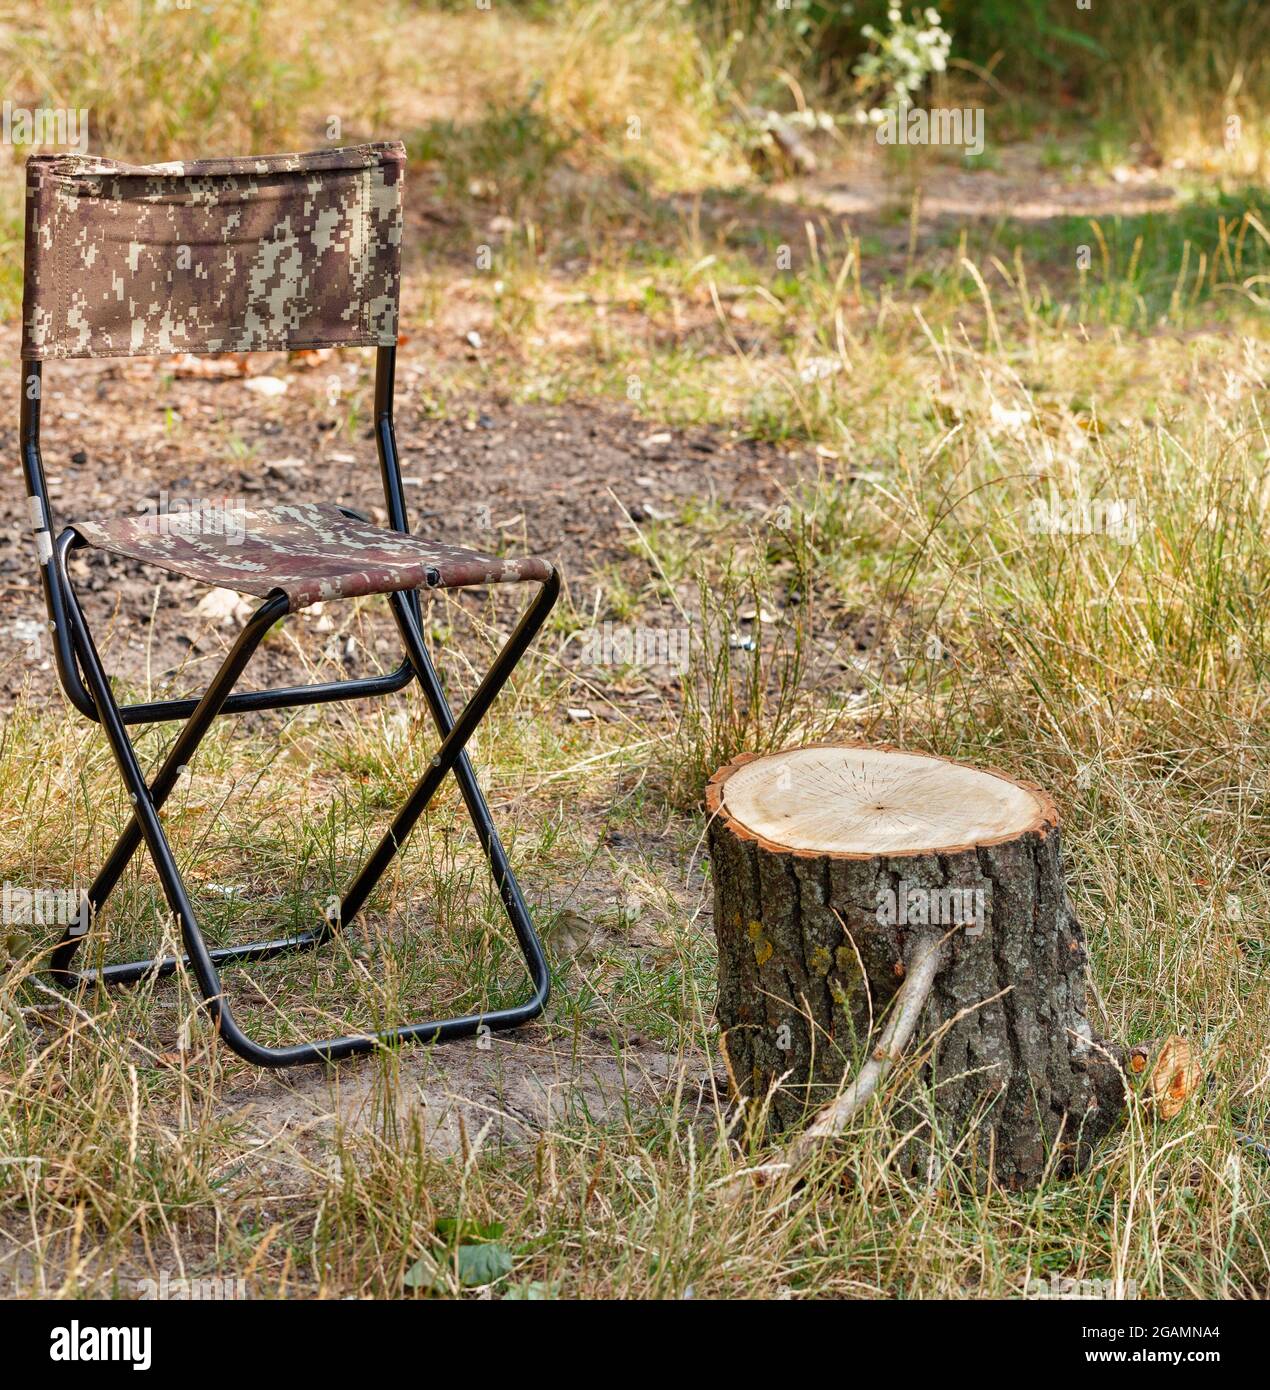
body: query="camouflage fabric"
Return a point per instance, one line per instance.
(310, 551)
(214, 255)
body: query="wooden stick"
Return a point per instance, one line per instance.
(906, 1009)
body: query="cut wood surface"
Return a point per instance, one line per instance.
(837, 800)
(838, 869)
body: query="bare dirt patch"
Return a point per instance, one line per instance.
(559, 481)
(503, 1093)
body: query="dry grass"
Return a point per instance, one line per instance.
(1126, 672)
(1195, 81)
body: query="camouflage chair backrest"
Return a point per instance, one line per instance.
(216, 255)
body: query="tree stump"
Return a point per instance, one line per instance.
(839, 871)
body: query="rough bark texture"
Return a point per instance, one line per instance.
(806, 966)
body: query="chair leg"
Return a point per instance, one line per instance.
(405, 611)
(146, 827)
(177, 759)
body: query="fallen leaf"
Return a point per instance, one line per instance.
(483, 1264)
(533, 1291)
(425, 1273)
(570, 935)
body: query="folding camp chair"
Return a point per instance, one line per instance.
(243, 255)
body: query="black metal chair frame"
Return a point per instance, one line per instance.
(87, 685)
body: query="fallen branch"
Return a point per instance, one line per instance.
(907, 1007)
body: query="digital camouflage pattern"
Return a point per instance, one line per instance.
(215, 255)
(310, 551)
(236, 255)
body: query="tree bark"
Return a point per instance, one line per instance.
(814, 943)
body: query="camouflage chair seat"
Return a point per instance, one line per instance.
(311, 551)
(240, 255)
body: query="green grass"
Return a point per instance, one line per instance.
(1210, 257)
